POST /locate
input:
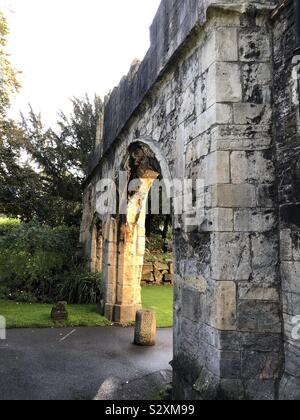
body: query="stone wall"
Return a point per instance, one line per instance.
(207, 113)
(158, 273)
(286, 119)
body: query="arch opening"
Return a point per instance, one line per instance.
(124, 253)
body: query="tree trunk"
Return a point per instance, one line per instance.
(148, 225)
(166, 227)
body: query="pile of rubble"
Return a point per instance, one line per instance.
(158, 273)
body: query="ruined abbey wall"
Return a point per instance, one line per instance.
(286, 135)
(215, 100)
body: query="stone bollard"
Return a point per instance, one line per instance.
(60, 312)
(145, 328)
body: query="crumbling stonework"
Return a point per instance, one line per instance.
(287, 127)
(200, 106)
(158, 273)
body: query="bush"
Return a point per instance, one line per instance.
(4, 293)
(22, 297)
(80, 288)
(38, 263)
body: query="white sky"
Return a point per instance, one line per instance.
(65, 48)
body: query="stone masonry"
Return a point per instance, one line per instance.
(214, 99)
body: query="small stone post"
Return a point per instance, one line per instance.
(59, 312)
(145, 328)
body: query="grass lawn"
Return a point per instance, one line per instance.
(160, 299)
(38, 316)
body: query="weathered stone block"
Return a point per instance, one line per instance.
(260, 365)
(215, 114)
(265, 259)
(292, 360)
(252, 291)
(148, 277)
(168, 278)
(247, 167)
(256, 83)
(207, 385)
(221, 306)
(258, 316)
(217, 168)
(260, 390)
(231, 257)
(289, 388)
(290, 277)
(254, 46)
(160, 266)
(145, 328)
(158, 276)
(59, 312)
(233, 196)
(254, 220)
(148, 268)
(218, 220)
(247, 113)
(221, 45)
(291, 303)
(231, 365)
(189, 340)
(125, 314)
(241, 137)
(286, 249)
(224, 83)
(192, 305)
(266, 196)
(188, 104)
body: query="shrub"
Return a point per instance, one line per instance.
(80, 288)
(23, 297)
(34, 259)
(4, 292)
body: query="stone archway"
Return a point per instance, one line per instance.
(125, 241)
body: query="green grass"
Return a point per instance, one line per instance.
(160, 299)
(24, 315)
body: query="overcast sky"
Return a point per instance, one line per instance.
(69, 47)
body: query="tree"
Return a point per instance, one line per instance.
(60, 158)
(10, 138)
(42, 170)
(8, 76)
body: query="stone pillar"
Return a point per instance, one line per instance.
(227, 307)
(145, 328)
(130, 246)
(110, 264)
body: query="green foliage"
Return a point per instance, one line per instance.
(4, 292)
(22, 297)
(9, 222)
(8, 76)
(155, 250)
(33, 258)
(47, 187)
(80, 288)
